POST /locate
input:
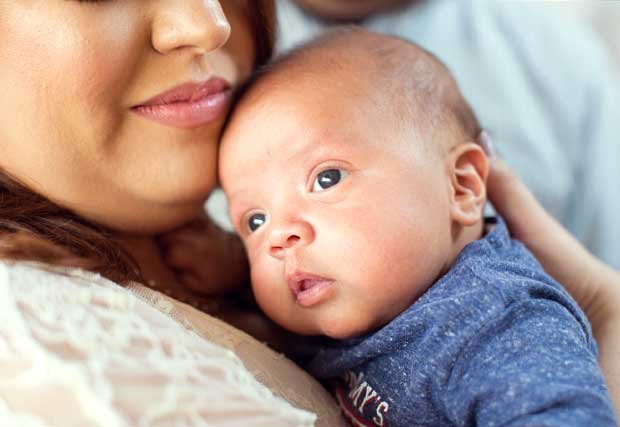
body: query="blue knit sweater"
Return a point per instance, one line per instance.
(494, 342)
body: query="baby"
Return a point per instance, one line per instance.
(357, 188)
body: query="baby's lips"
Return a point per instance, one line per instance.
(296, 279)
(317, 292)
(308, 289)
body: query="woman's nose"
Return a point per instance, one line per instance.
(196, 24)
(289, 236)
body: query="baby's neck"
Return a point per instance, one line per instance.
(462, 237)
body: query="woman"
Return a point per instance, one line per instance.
(110, 117)
(111, 113)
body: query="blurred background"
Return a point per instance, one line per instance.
(600, 16)
(542, 76)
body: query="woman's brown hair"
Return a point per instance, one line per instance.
(33, 228)
(262, 17)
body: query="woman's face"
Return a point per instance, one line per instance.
(87, 116)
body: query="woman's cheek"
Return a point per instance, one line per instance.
(72, 72)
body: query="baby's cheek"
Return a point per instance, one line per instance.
(264, 281)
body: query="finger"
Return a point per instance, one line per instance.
(193, 282)
(202, 223)
(183, 257)
(185, 237)
(562, 256)
(514, 202)
(524, 215)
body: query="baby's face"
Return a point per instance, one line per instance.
(345, 219)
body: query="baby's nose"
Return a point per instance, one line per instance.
(289, 236)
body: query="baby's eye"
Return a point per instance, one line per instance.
(255, 221)
(328, 178)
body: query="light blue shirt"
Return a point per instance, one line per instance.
(543, 89)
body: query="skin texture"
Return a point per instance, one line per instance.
(400, 198)
(71, 71)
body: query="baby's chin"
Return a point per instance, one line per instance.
(335, 321)
(334, 331)
(346, 328)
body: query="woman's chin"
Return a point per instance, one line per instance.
(147, 220)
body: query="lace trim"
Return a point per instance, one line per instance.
(78, 350)
(272, 369)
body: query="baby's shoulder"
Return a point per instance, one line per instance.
(490, 276)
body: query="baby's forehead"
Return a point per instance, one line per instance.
(344, 96)
(396, 77)
(332, 68)
(287, 140)
(390, 83)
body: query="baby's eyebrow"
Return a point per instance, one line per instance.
(322, 145)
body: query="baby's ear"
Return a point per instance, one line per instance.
(468, 168)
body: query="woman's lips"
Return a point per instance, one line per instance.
(188, 106)
(309, 289)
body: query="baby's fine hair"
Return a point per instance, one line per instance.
(407, 80)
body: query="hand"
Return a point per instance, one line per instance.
(206, 258)
(594, 285)
(586, 278)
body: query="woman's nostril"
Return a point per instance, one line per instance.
(205, 27)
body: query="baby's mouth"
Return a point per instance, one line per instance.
(309, 289)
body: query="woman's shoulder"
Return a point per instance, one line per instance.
(37, 281)
(94, 353)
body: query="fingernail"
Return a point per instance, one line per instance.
(487, 144)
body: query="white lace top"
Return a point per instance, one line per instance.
(78, 350)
